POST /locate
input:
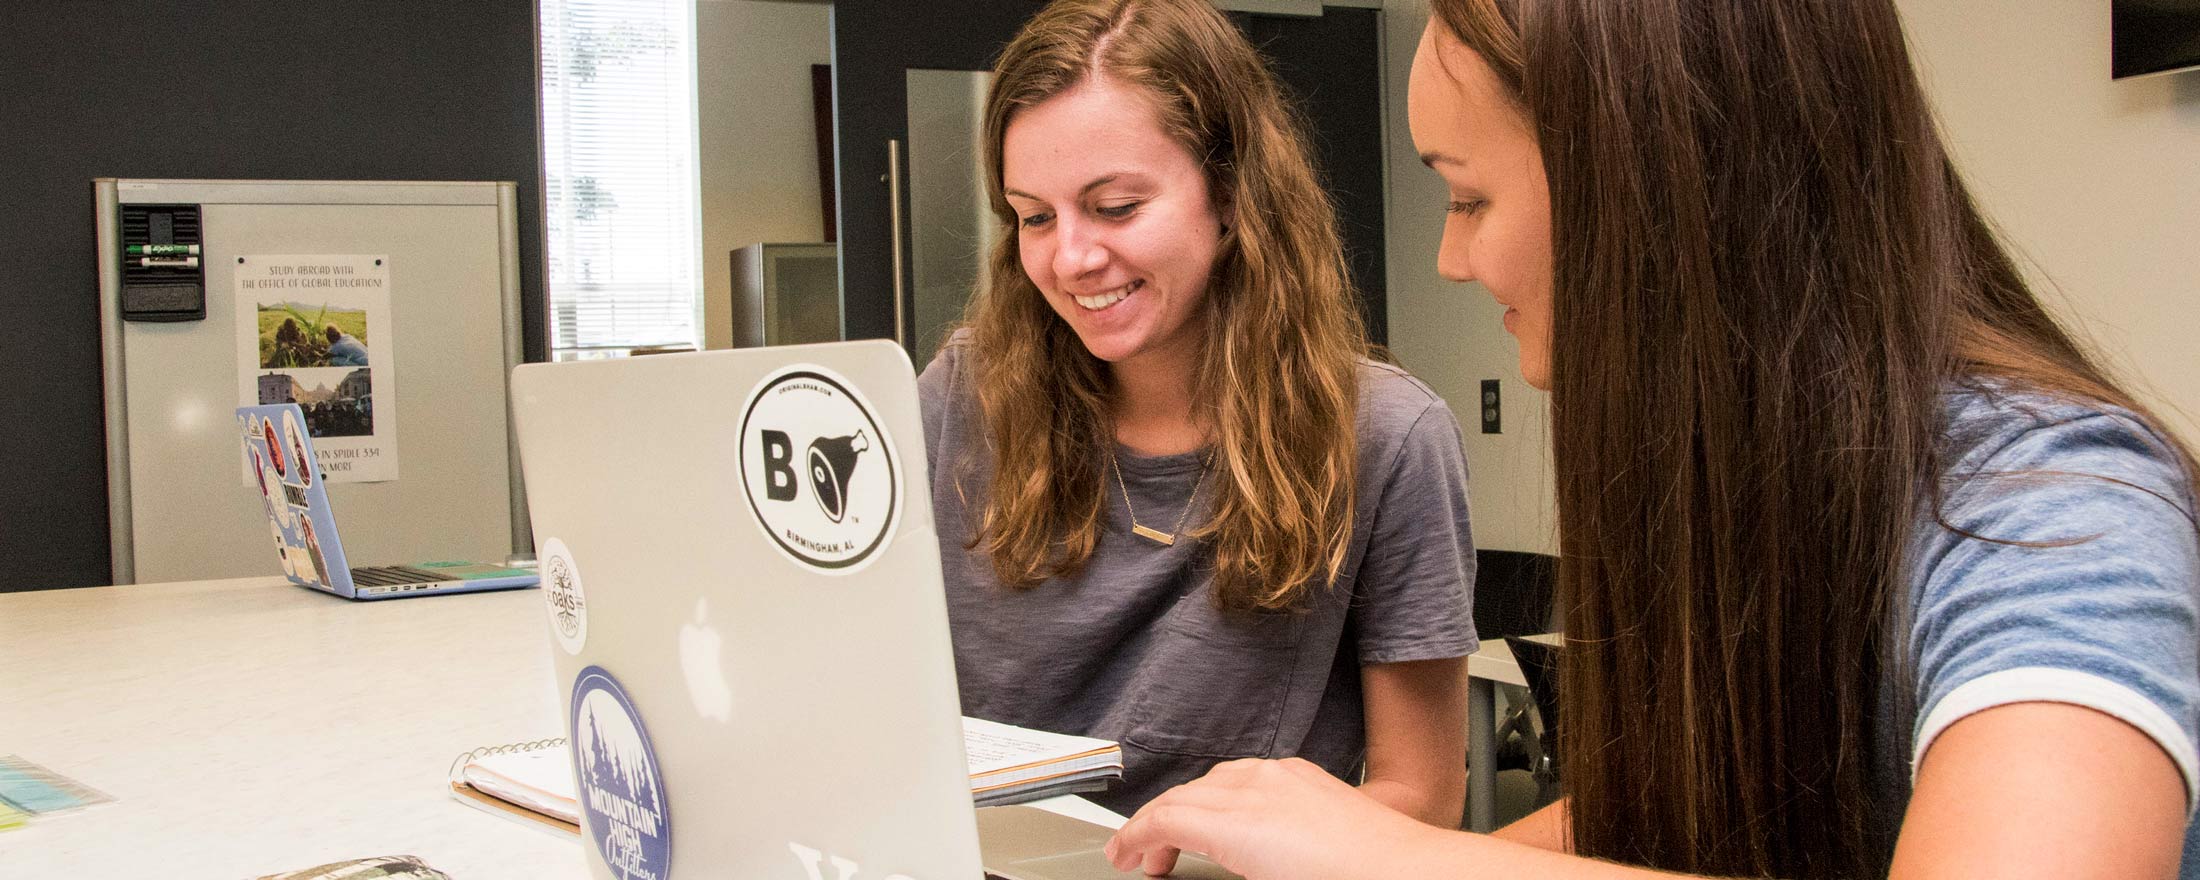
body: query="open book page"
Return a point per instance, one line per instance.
(1001, 754)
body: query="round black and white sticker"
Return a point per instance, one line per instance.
(819, 469)
(563, 596)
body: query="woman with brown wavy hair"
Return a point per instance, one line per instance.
(1867, 569)
(1178, 504)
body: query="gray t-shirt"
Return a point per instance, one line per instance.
(2110, 622)
(1134, 648)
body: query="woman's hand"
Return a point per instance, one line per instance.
(1268, 820)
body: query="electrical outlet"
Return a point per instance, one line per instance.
(1492, 423)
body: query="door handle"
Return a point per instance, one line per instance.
(893, 211)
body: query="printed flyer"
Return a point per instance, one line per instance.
(315, 330)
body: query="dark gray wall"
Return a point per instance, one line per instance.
(1332, 65)
(875, 42)
(409, 90)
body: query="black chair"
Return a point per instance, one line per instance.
(1539, 666)
(1513, 597)
(1512, 593)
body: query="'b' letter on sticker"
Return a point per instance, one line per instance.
(778, 466)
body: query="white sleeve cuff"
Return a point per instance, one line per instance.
(2044, 684)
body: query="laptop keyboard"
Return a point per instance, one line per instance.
(389, 575)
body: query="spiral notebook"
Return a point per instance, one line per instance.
(532, 782)
(529, 782)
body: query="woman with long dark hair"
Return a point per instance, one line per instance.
(1179, 506)
(1867, 568)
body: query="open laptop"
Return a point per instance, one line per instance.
(279, 457)
(749, 625)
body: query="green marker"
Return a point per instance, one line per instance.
(160, 250)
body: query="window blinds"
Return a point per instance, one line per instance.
(620, 174)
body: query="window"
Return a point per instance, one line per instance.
(619, 183)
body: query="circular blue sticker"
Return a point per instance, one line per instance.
(621, 792)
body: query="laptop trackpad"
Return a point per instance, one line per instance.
(1028, 843)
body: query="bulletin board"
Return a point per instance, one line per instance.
(388, 310)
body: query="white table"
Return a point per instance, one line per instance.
(1487, 668)
(248, 726)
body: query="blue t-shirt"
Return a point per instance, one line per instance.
(347, 351)
(2108, 620)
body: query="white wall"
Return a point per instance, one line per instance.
(757, 134)
(2097, 182)
(1449, 334)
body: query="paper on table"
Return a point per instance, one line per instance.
(1006, 763)
(36, 790)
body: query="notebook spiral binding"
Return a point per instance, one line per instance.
(459, 763)
(502, 806)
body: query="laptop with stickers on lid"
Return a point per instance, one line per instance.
(281, 464)
(743, 591)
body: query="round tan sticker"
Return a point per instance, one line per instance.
(562, 594)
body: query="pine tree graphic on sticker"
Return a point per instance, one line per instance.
(618, 768)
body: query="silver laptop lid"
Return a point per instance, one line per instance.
(744, 596)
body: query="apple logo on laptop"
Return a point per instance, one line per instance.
(700, 650)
